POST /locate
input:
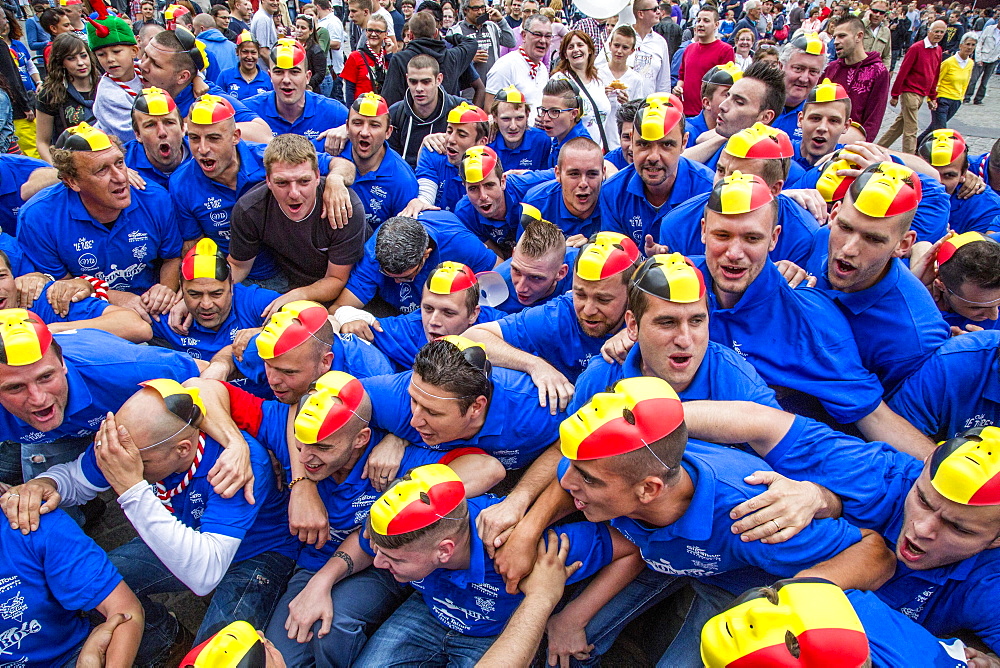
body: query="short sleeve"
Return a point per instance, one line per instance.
(77, 571)
(819, 541)
(187, 224)
(344, 246)
(245, 233)
(365, 277)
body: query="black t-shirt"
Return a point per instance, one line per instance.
(70, 112)
(301, 249)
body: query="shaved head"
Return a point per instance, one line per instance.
(148, 419)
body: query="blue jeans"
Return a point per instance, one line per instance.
(37, 458)
(980, 74)
(360, 604)
(413, 638)
(248, 591)
(946, 109)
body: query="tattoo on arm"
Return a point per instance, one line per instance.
(340, 554)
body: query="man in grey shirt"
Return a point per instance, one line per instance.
(487, 25)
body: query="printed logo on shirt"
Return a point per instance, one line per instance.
(916, 607)
(87, 261)
(139, 252)
(28, 438)
(220, 218)
(736, 347)
(137, 236)
(311, 134)
(121, 277)
(454, 616)
(197, 502)
(12, 638)
(232, 333)
(95, 422)
(525, 163)
(213, 203)
(664, 566)
(975, 421)
(83, 244)
(13, 608)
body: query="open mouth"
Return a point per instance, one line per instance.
(485, 207)
(312, 468)
(733, 273)
(45, 415)
(680, 361)
(909, 551)
(364, 145)
(3, 302)
(819, 142)
(580, 505)
(295, 207)
(208, 164)
(842, 268)
(164, 149)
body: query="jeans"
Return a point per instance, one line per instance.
(248, 591)
(946, 108)
(980, 74)
(412, 637)
(896, 55)
(37, 458)
(360, 604)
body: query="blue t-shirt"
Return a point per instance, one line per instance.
(384, 191)
(979, 213)
(516, 429)
(680, 229)
(347, 502)
(85, 309)
(19, 263)
(136, 158)
(722, 376)
(435, 166)
(501, 232)
(943, 600)
(788, 120)
(512, 305)
(578, 130)
(804, 163)
(48, 577)
(535, 330)
(60, 237)
(450, 240)
(626, 210)
(185, 99)
(249, 301)
(930, 222)
(474, 601)
(956, 389)
(234, 84)
(796, 339)
(320, 113)
(695, 126)
(548, 199)
(102, 371)
(960, 321)
(403, 336)
(896, 323)
(617, 158)
(260, 527)
(15, 170)
(533, 153)
(701, 545)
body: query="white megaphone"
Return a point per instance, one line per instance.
(601, 9)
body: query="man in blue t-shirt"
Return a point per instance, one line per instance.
(947, 152)
(290, 108)
(449, 304)
(634, 200)
(248, 78)
(797, 340)
(857, 262)
(538, 270)
(401, 254)
(966, 282)
(155, 456)
(628, 460)
(96, 223)
(15, 172)
(461, 605)
(581, 321)
(825, 117)
(571, 201)
(159, 147)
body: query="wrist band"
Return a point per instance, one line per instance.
(299, 479)
(99, 286)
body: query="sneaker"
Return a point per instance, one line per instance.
(977, 103)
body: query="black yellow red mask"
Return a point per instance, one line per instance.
(477, 164)
(467, 113)
(739, 193)
(421, 498)
(209, 109)
(966, 469)
(450, 277)
(83, 137)
(831, 185)
(473, 352)
(294, 324)
(24, 338)
(827, 91)
(287, 53)
(760, 142)
(670, 277)
(332, 401)
(885, 189)
(655, 120)
(604, 255)
(205, 260)
(236, 646)
(948, 247)
(942, 147)
(370, 105)
(511, 95)
(723, 75)
(154, 102)
(810, 43)
(184, 402)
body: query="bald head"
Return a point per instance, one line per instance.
(203, 22)
(149, 421)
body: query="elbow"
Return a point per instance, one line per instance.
(477, 333)
(138, 332)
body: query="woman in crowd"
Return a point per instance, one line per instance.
(66, 97)
(813, 23)
(305, 33)
(621, 82)
(953, 79)
(576, 63)
(743, 45)
(364, 69)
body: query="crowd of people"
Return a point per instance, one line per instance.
(498, 334)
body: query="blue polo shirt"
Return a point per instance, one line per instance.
(201, 343)
(19, 264)
(957, 389)
(136, 158)
(347, 502)
(695, 126)
(548, 199)
(435, 166)
(944, 599)
(930, 222)
(788, 120)
(15, 170)
(802, 161)
(474, 601)
(450, 240)
(722, 376)
(979, 213)
(533, 153)
(516, 429)
(85, 309)
(980, 164)
(234, 84)
(186, 98)
(617, 158)
(60, 237)
(384, 191)
(896, 323)
(795, 171)
(260, 527)
(626, 210)
(960, 321)
(351, 354)
(578, 130)
(403, 336)
(320, 113)
(501, 232)
(796, 339)
(535, 330)
(50, 575)
(701, 545)
(102, 371)
(512, 305)
(680, 229)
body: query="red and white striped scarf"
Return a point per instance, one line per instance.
(532, 65)
(124, 86)
(164, 494)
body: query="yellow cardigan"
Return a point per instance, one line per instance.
(954, 78)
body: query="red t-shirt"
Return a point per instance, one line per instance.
(356, 71)
(698, 59)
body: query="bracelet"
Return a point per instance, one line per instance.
(340, 554)
(99, 285)
(299, 479)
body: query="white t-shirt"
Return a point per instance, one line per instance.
(590, 121)
(651, 61)
(263, 30)
(388, 20)
(513, 70)
(633, 84)
(335, 28)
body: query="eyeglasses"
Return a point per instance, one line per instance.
(648, 9)
(476, 8)
(877, 11)
(373, 31)
(995, 302)
(552, 113)
(538, 35)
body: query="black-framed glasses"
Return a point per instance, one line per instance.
(538, 35)
(648, 9)
(552, 112)
(477, 8)
(373, 31)
(878, 11)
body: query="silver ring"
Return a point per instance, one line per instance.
(776, 527)
(383, 477)
(12, 494)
